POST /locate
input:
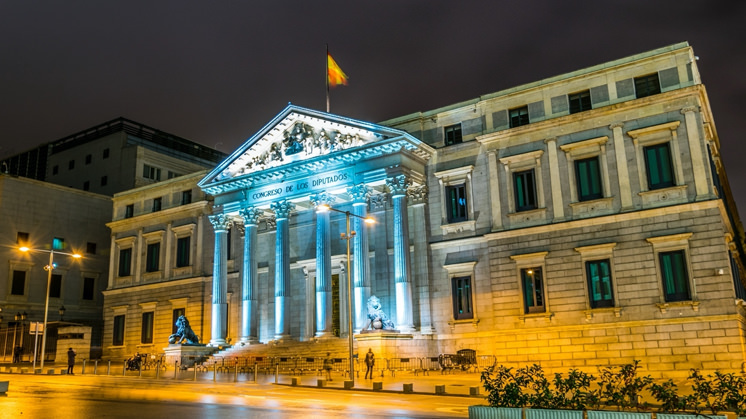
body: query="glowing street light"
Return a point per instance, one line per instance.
(49, 268)
(347, 236)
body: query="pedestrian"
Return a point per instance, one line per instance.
(17, 352)
(328, 366)
(370, 361)
(70, 361)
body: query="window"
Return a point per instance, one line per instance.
(153, 257)
(580, 101)
(125, 262)
(658, 166)
(55, 169)
(186, 197)
(129, 211)
(157, 204)
(533, 290)
(71, 164)
(89, 287)
(55, 286)
(456, 209)
(525, 190)
(86, 185)
(176, 314)
(182, 251)
(19, 283)
(172, 175)
(452, 134)
(588, 177)
(674, 276)
(461, 294)
(106, 153)
(647, 85)
(22, 238)
(104, 180)
(146, 334)
(150, 172)
(518, 116)
(600, 291)
(90, 248)
(228, 244)
(58, 243)
(88, 159)
(118, 331)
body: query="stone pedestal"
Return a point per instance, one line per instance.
(384, 343)
(187, 355)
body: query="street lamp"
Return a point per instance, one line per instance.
(49, 268)
(347, 236)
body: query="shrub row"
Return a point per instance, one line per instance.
(617, 387)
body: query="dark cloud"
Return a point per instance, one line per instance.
(215, 73)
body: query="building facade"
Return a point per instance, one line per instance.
(577, 221)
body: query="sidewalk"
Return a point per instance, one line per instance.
(458, 383)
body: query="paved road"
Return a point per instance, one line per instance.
(56, 396)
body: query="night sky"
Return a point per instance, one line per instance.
(216, 72)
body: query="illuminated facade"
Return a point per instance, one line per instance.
(577, 221)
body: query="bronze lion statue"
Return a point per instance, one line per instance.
(183, 333)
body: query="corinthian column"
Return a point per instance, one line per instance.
(361, 267)
(323, 266)
(282, 211)
(249, 288)
(221, 224)
(398, 186)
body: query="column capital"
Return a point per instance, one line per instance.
(616, 125)
(377, 202)
(220, 222)
(398, 185)
(418, 194)
(282, 209)
(250, 215)
(322, 198)
(360, 193)
(688, 109)
(550, 140)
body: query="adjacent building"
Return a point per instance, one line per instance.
(577, 221)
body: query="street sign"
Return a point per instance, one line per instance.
(36, 328)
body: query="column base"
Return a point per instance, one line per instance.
(248, 341)
(217, 342)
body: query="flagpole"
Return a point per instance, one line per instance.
(327, 78)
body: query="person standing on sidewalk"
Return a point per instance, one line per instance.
(328, 366)
(370, 361)
(70, 361)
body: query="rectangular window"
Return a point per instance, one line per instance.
(87, 185)
(22, 238)
(176, 314)
(118, 331)
(182, 251)
(90, 248)
(461, 294)
(518, 116)
(659, 166)
(106, 153)
(186, 197)
(580, 101)
(533, 290)
(104, 180)
(146, 334)
(19, 283)
(153, 257)
(588, 176)
(456, 209)
(89, 287)
(71, 164)
(55, 286)
(150, 172)
(129, 211)
(58, 243)
(525, 190)
(88, 159)
(55, 169)
(157, 204)
(125, 262)
(647, 85)
(228, 247)
(599, 283)
(674, 275)
(452, 134)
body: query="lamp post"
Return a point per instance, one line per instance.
(347, 236)
(49, 268)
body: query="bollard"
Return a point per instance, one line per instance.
(108, 368)
(176, 368)
(95, 366)
(474, 391)
(377, 385)
(214, 372)
(195, 372)
(235, 373)
(256, 367)
(82, 372)
(440, 389)
(124, 368)
(139, 369)
(408, 387)
(277, 372)
(157, 369)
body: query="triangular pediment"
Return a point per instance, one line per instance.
(300, 139)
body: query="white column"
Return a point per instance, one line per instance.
(497, 217)
(220, 223)
(558, 205)
(402, 263)
(699, 169)
(282, 211)
(625, 189)
(249, 284)
(361, 266)
(323, 266)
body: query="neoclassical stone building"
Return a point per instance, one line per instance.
(577, 221)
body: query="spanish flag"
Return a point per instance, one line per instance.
(335, 74)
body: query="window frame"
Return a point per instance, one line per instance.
(657, 134)
(157, 204)
(453, 134)
(13, 280)
(153, 257)
(523, 263)
(86, 287)
(579, 98)
(124, 262)
(55, 284)
(520, 118)
(583, 150)
(657, 160)
(117, 330)
(676, 281)
(521, 163)
(129, 211)
(667, 245)
(646, 81)
(596, 253)
(146, 327)
(454, 272)
(521, 188)
(186, 197)
(452, 178)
